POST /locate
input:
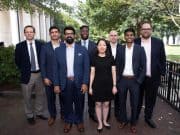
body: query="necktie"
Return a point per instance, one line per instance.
(33, 64)
(84, 42)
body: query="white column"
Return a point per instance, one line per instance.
(35, 23)
(47, 27)
(14, 27)
(42, 26)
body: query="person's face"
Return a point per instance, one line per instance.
(129, 37)
(113, 37)
(84, 33)
(101, 47)
(146, 30)
(69, 34)
(29, 33)
(54, 34)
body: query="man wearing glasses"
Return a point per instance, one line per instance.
(155, 67)
(71, 76)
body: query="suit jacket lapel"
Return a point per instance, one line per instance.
(75, 56)
(25, 49)
(123, 55)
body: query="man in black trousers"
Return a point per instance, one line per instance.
(90, 46)
(156, 66)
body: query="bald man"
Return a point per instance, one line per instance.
(113, 39)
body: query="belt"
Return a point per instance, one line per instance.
(70, 78)
(128, 77)
(37, 71)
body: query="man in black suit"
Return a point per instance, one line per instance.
(131, 69)
(114, 45)
(27, 60)
(90, 46)
(156, 66)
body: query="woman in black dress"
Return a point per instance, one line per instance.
(102, 82)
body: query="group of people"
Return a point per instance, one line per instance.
(106, 70)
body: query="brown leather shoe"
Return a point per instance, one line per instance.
(67, 127)
(51, 121)
(133, 129)
(122, 125)
(80, 127)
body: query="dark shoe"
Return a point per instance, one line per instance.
(133, 129)
(31, 121)
(151, 123)
(93, 118)
(99, 130)
(107, 126)
(122, 125)
(41, 117)
(80, 127)
(67, 127)
(51, 121)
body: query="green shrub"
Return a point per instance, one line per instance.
(8, 71)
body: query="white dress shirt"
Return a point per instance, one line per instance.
(70, 60)
(55, 46)
(35, 52)
(113, 49)
(85, 43)
(147, 47)
(128, 68)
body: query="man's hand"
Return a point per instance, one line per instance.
(84, 88)
(57, 89)
(47, 82)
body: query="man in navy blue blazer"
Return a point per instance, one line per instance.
(90, 46)
(156, 67)
(27, 59)
(71, 77)
(47, 62)
(131, 69)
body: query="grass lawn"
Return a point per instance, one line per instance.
(173, 53)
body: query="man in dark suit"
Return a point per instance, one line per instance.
(131, 69)
(156, 66)
(114, 45)
(47, 62)
(90, 46)
(71, 79)
(27, 55)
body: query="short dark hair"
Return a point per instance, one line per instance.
(69, 28)
(54, 27)
(129, 30)
(84, 26)
(29, 26)
(144, 22)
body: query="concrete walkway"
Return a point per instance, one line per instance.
(13, 121)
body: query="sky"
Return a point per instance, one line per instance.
(71, 2)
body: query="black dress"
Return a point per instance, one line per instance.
(103, 82)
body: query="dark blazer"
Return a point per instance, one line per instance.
(22, 59)
(138, 62)
(47, 57)
(158, 57)
(81, 66)
(118, 45)
(91, 47)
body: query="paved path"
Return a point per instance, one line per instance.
(13, 121)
